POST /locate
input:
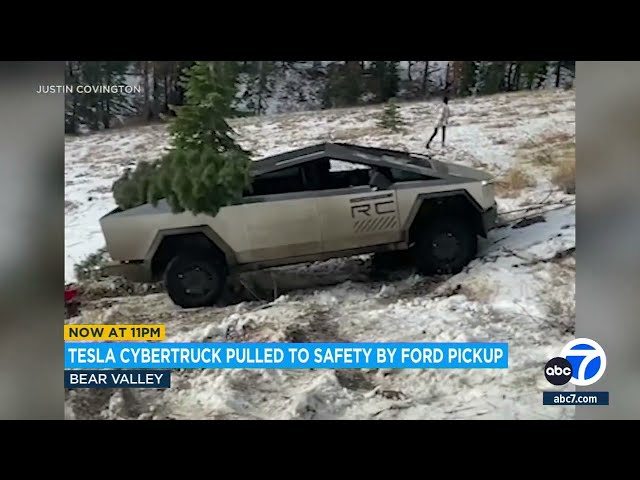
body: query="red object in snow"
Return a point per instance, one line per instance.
(70, 292)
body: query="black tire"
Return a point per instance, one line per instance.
(195, 279)
(445, 245)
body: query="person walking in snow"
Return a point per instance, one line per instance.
(443, 121)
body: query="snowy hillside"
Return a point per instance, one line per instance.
(520, 290)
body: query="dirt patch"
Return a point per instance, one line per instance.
(420, 289)
(70, 206)
(354, 380)
(558, 137)
(525, 222)
(355, 133)
(505, 108)
(116, 287)
(87, 404)
(102, 189)
(510, 124)
(548, 139)
(544, 156)
(319, 328)
(140, 146)
(552, 150)
(540, 113)
(516, 180)
(269, 284)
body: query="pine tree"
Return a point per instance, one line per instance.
(491, 77)
(466, 77)
(386, 79)
(344, 85)
(130, 190)
(206, 169)
(560, 67)
(200, 180)
(351, 84)
(113, 103)
(391, 81)
(391, 118)
(514, 78)
(535, 74)
(98, 109)
(88, 108)
(259, 84)
(210, 89)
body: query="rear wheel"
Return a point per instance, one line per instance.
(195, 279)
(445, 245)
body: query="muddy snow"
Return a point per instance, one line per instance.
(520, 290)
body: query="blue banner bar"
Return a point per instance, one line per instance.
(100, 355)
(117, 379)
(575, 398)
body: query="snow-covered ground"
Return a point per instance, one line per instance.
(520, 290)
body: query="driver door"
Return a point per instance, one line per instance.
(356, 215)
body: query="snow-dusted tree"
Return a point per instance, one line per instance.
(390, 118)
(206, 169)
(98, 109)
(259, 80)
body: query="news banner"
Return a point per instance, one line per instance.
(136, 356)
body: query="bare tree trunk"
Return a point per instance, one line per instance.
(146, 111)
(165, 108)
(509, 78)
(156, 91)
(446, 76)
(558, 69)
(425, 78)
(516, 76)
(409, 71)
(260, 86)
(106, 120)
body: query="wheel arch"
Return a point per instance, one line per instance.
(168, 241)
(454, 202)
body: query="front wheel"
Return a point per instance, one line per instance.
(195, 280)
(445, 245)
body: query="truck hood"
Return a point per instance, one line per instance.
(460, 170)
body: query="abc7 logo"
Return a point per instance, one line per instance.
(582, 362)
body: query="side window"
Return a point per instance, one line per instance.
(328, 174)
(287, 180)
(408, 176)
(325, 174)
